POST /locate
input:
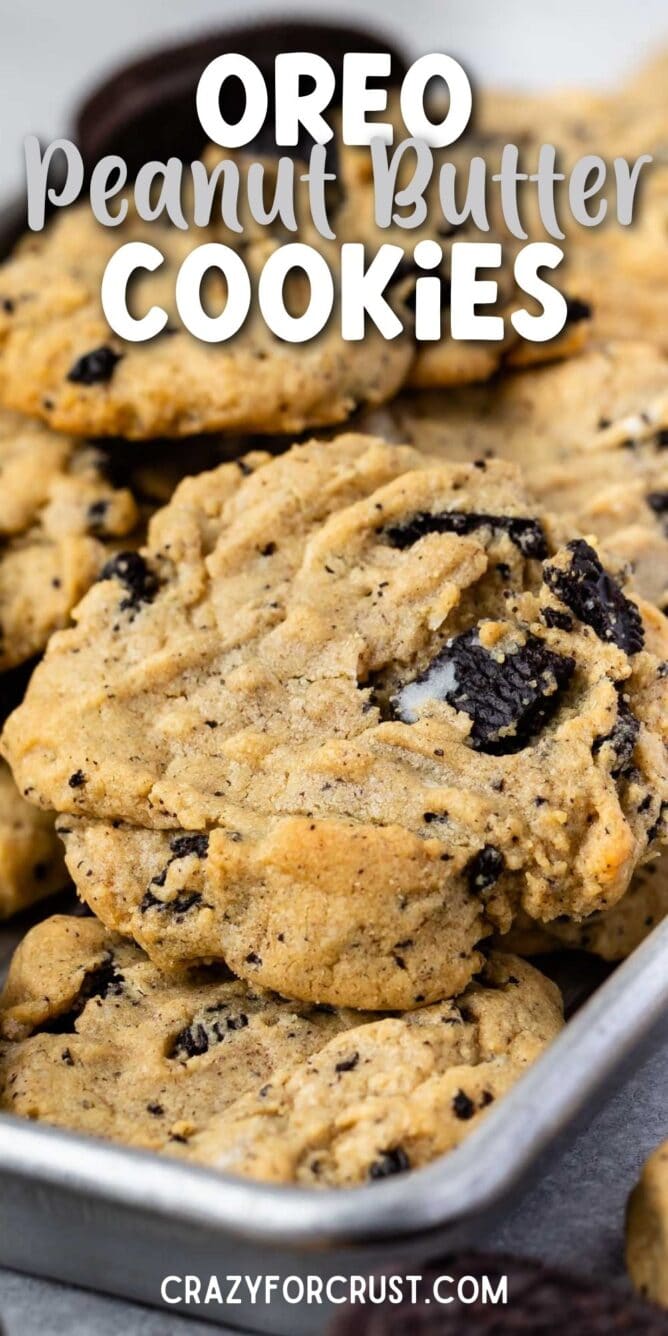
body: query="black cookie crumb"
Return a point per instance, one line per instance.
(658, 502)
(104, 981)
(198, 1037)
(554, 617)
(347, 1064)
(179, 905)
(577, 311)
(591, 593)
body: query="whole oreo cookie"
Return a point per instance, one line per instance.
(147, 109)
(539, 1299)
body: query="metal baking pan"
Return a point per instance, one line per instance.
(118, 1220)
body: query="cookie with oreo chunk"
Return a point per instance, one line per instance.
(591, 436)
(95, 1039)
(60, 517)
(389, 745)
(60, 362)
(393, 1094)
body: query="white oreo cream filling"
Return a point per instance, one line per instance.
(438, 683)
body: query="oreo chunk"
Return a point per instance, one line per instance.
(538, 1299)
(484, 869)
(135, 574)
(94, 368)
(201, 1035)
(197, 844)
(577, 311)
(658, 502)
(104, 981)
(463, 1106)
(596, 599)
(146, 109)
(181, 904)
(509, 698)
(527, 534)
(389, 1162)
(554, 617)
(622, 738)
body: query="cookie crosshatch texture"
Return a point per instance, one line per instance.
(350, 704)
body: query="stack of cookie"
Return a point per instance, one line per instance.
(349, 722)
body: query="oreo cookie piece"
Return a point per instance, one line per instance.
(136, 576)
(527, 534)
(533, 1298)
(94, 368)
(622, 738)
(146, 110)
(509, 697)
(591, 593)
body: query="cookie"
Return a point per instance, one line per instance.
(391, 1095)
(647, 1229)
(619, 271)
(95, 1039)
(446, 362)
(146, 110)
(60, 362)
(60, 518)
(32, 859)
(590, 434)
(361, 706)
(64, 508)
(612, 935)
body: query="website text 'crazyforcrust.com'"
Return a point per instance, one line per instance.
(234, 1290)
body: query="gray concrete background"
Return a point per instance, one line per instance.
(50, 54)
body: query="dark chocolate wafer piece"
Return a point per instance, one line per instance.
(539, 1300)
(146, 109)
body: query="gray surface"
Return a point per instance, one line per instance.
(573, 1216)
(50, 53)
